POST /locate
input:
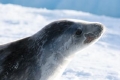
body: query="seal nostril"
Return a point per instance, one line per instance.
(99, 27)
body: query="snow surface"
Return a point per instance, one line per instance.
(100, 61)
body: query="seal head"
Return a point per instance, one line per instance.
(45, 55)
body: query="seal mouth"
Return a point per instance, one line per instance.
(90, 37)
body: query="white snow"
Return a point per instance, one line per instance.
(100, 61)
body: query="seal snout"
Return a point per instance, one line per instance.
(100, 27)
(95, 31)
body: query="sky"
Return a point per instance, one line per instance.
(100, 61)
(99, 7)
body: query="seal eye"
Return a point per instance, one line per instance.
(78, 32)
